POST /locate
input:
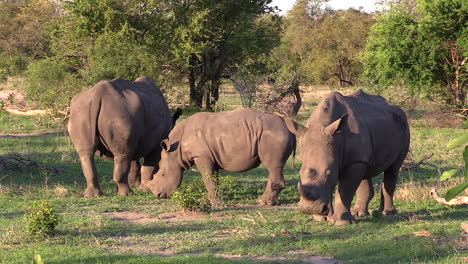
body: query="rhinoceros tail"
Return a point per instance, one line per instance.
(294, 142)
(94, 110)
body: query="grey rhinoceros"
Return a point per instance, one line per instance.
(235, 141)
(349, 140)
(120, 120)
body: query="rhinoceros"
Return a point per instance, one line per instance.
(120, 120)
(235, 141)
(347, 141)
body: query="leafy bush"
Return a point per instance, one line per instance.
(41, 219)
(51, 84)
(454, 191)
(192, 196)
(116, 56)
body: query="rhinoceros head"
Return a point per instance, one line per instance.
(320, 154)
(169, 175)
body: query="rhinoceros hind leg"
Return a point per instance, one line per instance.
(134, 176)
(388, 189)
(92, 192)
(89, 170)
(121, 170)
(365, 193)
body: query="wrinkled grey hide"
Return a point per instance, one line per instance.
(123, 121)
(349, 140)
(234, 141)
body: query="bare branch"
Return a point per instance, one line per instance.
(455, 201)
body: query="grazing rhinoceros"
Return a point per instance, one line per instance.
(123, 121)
(234, 141)
(349, 140)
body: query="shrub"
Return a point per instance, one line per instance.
(41, 219)
(115, 56)
(51, 84)
(454, 191)
(192, 196)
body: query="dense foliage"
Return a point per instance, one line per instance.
(419, 46)
(424, 48)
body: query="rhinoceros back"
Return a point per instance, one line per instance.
(232, 139)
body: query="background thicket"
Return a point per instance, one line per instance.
(418, 48)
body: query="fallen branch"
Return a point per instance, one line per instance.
(413, 165)
(14, 161)
(455, 201)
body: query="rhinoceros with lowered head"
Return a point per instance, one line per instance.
(347, 141)
(235, 141)
(120, 120)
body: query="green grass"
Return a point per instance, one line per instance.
(11, 124)
(88, 234)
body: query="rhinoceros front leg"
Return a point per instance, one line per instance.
(90, 173)
(210, 178)
(348, 183)
(387, 190)
(150, 167)
(134, 176)
(365, 193)
(274, 186)
(121, 170)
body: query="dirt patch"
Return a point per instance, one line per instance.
(138, 218)
(14, 103)
(131, 217)
(182, 216)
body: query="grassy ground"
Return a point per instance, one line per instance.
(142, 229)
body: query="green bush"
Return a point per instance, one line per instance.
(454, 191)
(41, 219)
(51, 84)
(192, 196)
(116, 56)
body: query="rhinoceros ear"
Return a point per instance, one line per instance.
(295, 128)
(336, 125)
(167, 146)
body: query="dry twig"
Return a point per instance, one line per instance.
(15, 161)
(455, 201)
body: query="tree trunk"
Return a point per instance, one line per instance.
(297, 93)
(196, 94)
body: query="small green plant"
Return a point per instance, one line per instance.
(41, 219)
(192, 196)
(454, 191)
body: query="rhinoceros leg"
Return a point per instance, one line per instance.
(365, 193)
(90, 173)
(150, 166)
(387, 190)
(210, 178)
(121, 170)
(274, 186)
(134, 176)
(348, 183)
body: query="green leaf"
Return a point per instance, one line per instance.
(463, 139)
(38, 259)
(453, 192)
(448, 174)
(465, 158)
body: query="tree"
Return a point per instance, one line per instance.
(328, 42)
(23, 32)
(211, 37)
(424, 48)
